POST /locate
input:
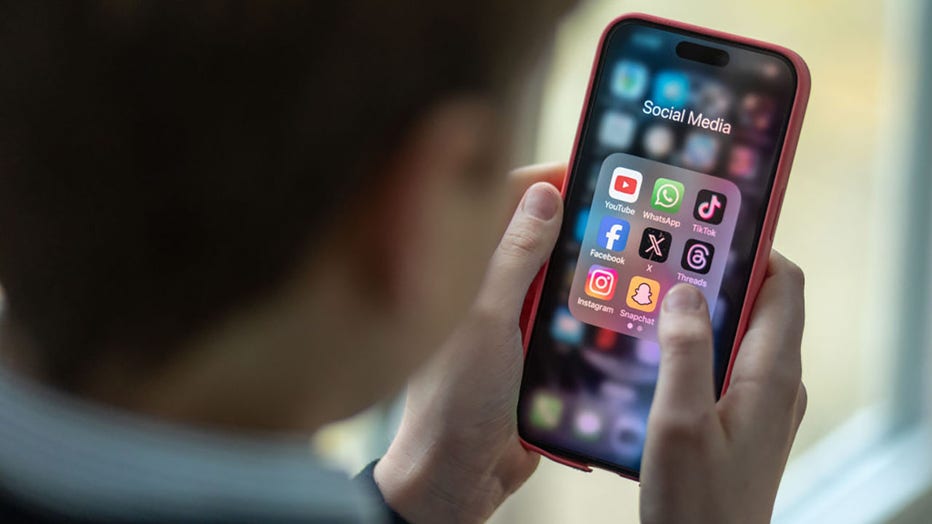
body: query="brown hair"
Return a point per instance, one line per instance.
(163, 161)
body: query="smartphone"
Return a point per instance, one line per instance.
(678, 172)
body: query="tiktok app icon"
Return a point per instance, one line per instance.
(710, 207)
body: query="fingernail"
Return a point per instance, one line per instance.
(683, 298)
(541, 202)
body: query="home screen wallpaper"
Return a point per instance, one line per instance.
(670, 184)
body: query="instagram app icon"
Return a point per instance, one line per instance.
(600, 282)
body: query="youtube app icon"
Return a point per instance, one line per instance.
(626, 184)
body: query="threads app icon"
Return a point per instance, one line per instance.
(697, 256)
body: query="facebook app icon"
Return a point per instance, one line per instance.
(613, 233)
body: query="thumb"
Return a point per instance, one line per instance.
(524, 248)
(685, 333)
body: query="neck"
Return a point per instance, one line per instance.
(291, 363)
(248, 374)
(254, 373)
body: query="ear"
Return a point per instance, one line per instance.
(451, 153)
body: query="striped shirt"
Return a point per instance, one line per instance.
(68, 459)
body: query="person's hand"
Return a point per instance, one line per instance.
(457, 455)
(722, 462)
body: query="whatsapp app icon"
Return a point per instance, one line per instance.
(668, 195)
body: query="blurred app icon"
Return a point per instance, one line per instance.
(605, 339)
(647, 38)
(617, 130)
(710, 206)
(700, 151)
(658, 141)
(566, 328)
(647, 353)
(668, 195)
(600, 282)
(593, 180)
(655, 245)
(625, 184)
(697, 256)
(629, 80)
(568, 277)
(757, 111)
(643, 294)
(743, 162)
(587, 424)
(582, 220)
(613, 233)
(770, 70)
(617, 393)
(627, 436)
(546, 410)
(671, 88)
(713, 99)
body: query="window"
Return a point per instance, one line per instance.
(855, 217)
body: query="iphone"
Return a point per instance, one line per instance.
(678, 172)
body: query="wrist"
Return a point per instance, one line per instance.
(424, 481)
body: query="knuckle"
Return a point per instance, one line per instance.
(520, 242)
(683, 335)
(685, 428)
(802, 401)
(485, 315)
(786, 377)
(489, 317)
(796, 274)
(785, 387)
(784, 402)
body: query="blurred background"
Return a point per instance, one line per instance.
(855, 217)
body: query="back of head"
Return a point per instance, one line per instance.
(164, 162)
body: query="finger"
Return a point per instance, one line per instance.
(768, 369)
(524, 247)
(684, 386)
(519, 180)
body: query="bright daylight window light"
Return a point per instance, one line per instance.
(878, 464)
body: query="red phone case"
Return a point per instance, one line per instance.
(761, 257)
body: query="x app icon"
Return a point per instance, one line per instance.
(655, 245)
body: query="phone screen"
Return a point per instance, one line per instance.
(670, 183)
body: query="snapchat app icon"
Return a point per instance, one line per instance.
(643, 294)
